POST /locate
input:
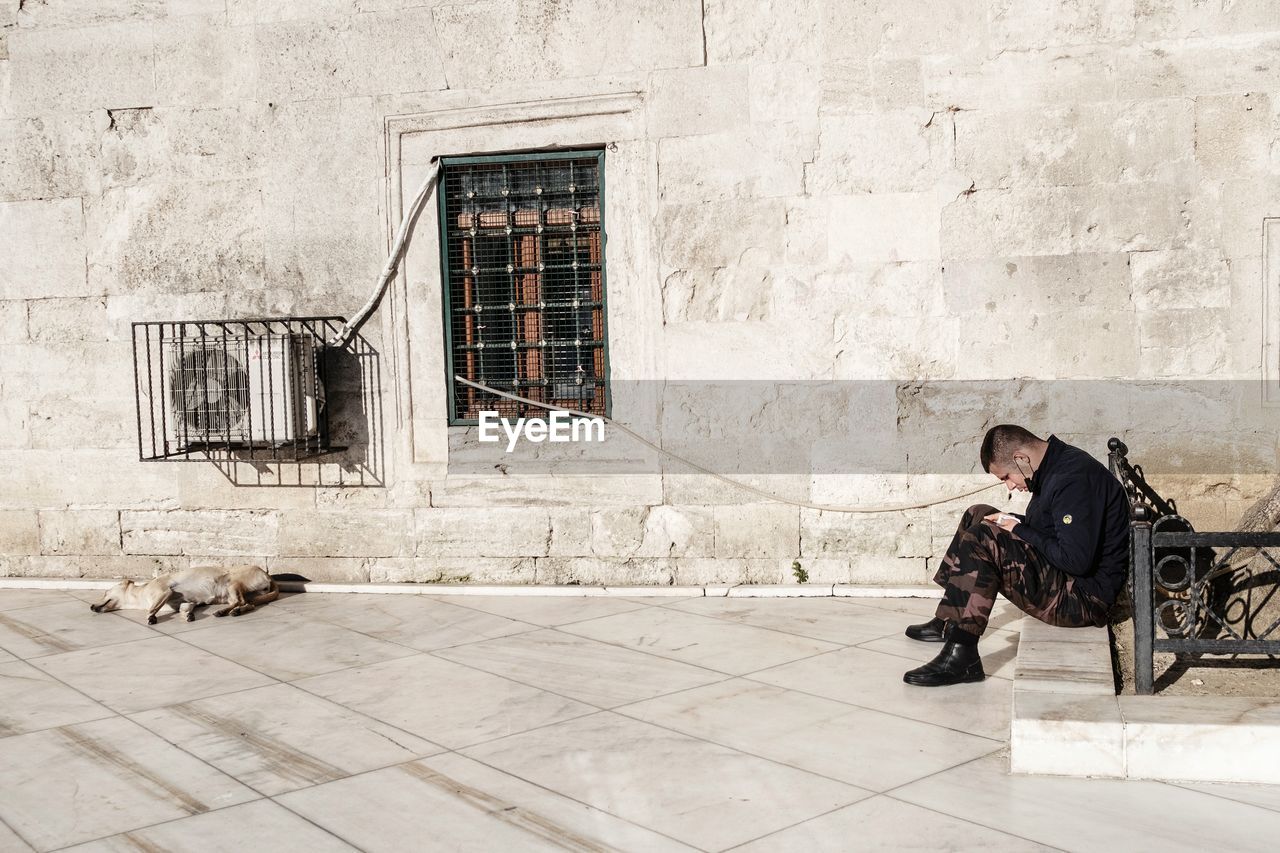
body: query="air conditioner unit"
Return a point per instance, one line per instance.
(242, 390)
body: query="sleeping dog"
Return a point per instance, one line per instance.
(242, 588)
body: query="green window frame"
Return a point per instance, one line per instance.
(522, 240)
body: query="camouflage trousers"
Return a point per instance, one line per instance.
(983, 560)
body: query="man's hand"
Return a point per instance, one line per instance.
(1002, 520)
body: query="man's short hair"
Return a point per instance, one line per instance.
(1000, 443)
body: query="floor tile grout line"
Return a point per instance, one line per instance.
(869, 792)
(1184, 786)
(800, 823)
(18, 835)
(637, 607)
(968, 761)
(976, 823)
(565, 796)
(767, 628)
(211, 810)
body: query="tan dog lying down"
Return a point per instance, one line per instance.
(242, 588)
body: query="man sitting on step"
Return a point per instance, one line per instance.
(1063, 562)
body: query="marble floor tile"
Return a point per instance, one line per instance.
(1093, 814)
(5, 657)
(48, 629)
(443, 701)
(1265, 796)
(587, 670)
(414, 620)
(818, 618)
(260, 825)
(700, 640)
(279, 738)
(548, 611)
(1004, 616)
(12, 599)
(450, 802)
(31, 699)
(862, 747)
(885, 824)
(77, 783)
(149, 673)
(288, 647)
(999, 650)
(699, 793)
(11, 843)
(874, 680)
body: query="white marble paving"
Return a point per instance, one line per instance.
(259, 825)
(874, 680)
(143, 674)
(702, 794)
(31, 699)
(1093, 814)
(572, 666)
(288, 648)
(1187, 738)
(866, 748)
(826, 619)
(445, 702)
(701, 640)
(885, 824)
(451, 802)
(279, 738)
(735, 721)
(77, 783)
(12, 599)
(47, 629)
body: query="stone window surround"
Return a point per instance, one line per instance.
(1271, 311)
(413, 317)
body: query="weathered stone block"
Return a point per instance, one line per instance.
(80, 532)
(48, 156)
(50, 371)
(892, 28)
(200, 532)
(1170, 19)
(763, 162)
(547, 490)
(700, 571)
(490, 43)
(96, 566)
(371, 533)
(481, 532)
(878, 347)
(844, 535)
(890, 152)
(1180, 280)
(19, 532)
(1075, 144)
(757, 530)
(887, 227)
(716, 234)
(570, 532)
(1030, 26)
(67, 321)
(760, 351)
(884, 570)
(785, 93)
(470, 570)
(184, 237)
(770, 30)
(178, 143)
(42, 249)
(1076, 74)
(660, 531)
(329, 569)
(693, 101)
(352, 55)
(594, 570)
(1034, 285)
(84, 422)
(1197, 66)
(1236, 134)
(200, 61)
(1183, 344)
(67, 69)
(13, 321)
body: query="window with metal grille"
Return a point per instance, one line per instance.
(522, 251)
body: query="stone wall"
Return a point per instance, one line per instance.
(903, 192)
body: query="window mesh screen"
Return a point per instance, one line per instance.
(524, 264)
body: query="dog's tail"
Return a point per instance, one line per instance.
(270, 594)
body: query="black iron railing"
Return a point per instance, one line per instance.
(1193, 593)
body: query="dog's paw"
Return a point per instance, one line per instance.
(151, 620)
(191, 617)
(220, 613)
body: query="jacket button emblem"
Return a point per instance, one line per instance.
(1066, 519)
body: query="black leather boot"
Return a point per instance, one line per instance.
(933, 631)
(957, 663)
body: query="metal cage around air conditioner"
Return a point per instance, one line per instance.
(250, 387)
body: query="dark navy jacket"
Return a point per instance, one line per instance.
(1078, 520)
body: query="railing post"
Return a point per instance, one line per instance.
(1143, 607)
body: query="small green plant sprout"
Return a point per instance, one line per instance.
(798, 570)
